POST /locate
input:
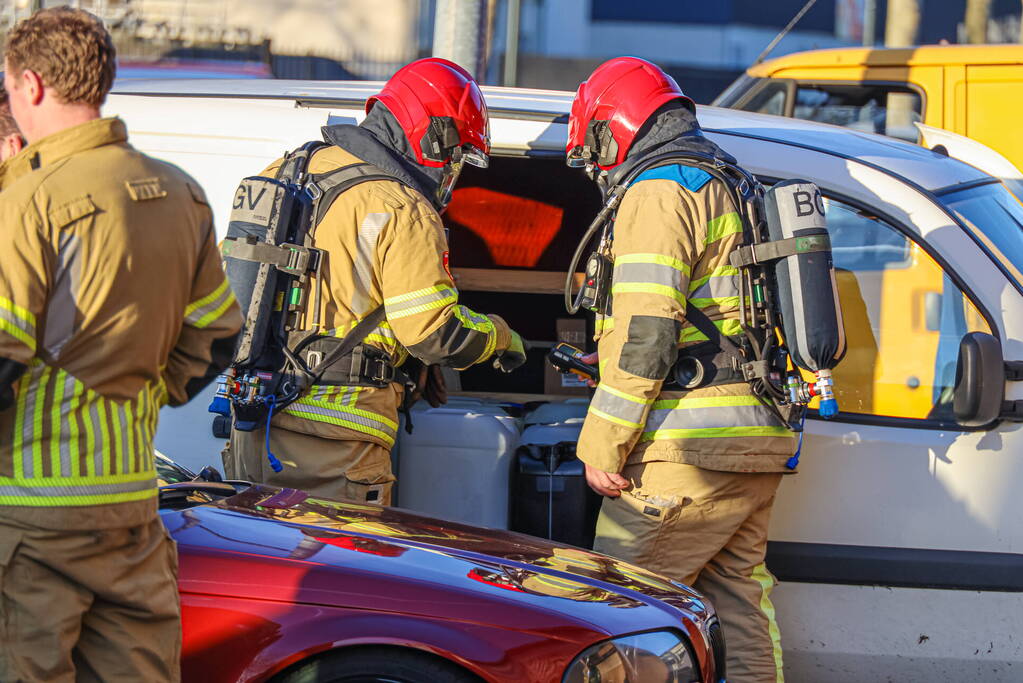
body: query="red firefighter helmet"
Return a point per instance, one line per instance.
(611, 106)
(441, 109)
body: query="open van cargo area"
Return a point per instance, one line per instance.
(512, 229)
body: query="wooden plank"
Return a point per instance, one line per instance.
(517, 281)
(508, 397)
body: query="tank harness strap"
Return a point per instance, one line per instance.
(293, 259)
(763, 252)
(325, 187)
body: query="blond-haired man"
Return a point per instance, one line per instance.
(113, 302)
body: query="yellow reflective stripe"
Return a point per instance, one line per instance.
(659, 259)
(120, 478)
(18, 322)
(353, 398)
(104, 431)
(77, 501)
(604, 323)
(422, 308)
(388, 439)
(723, 302)
(722, 226)
(481, 324)
(628, 397)
(209, 298)
(729, 327)
(409, 296)
(714, 433)
(766, 581)
(706, 402)
(723, 271)
(215, 314)
(19, 426)
(648, 288)
(37, 422)
(616, 420)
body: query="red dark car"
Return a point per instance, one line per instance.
(276, 585)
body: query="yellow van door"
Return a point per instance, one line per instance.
(993, 99)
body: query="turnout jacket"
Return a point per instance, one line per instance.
(673, 233)
(385, 244)
(114, 302)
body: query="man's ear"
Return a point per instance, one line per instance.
(10, 145)
(33, 84)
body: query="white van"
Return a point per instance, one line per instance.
(900, 542)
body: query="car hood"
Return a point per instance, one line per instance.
(281, 544)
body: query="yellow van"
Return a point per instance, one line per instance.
(972, 90)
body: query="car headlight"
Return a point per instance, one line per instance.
(652, 657)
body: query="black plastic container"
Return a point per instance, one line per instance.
(550, 497)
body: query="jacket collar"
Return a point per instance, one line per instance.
(61, 145)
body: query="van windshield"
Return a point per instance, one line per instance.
(995, 218)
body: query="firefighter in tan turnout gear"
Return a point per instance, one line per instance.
(113, 303)
(690, 476)
(385, 245)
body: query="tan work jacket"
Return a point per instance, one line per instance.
(385, 243)
(112, 294)
(672, 236)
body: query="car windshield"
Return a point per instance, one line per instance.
(169, 472)
(995, 218)
(736, 91)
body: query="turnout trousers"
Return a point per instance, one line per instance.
(707, 529)
(88, 605)
(335, 469)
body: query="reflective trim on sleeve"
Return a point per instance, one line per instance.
(419, 301)
(613, 419)
(658, 259)
(644, 288)
(723, 226)
(649, 273)
(609, 402)
(348, 416)
(18, 322)
(207, 310)
(720, 283)
(480, 323)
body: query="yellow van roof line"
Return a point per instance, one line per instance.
(893, 56)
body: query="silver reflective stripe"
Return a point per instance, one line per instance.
(408, 307)
(649, 273)
(618, 406)
(62, 308)
(97, 433)
(365, 253)
(23, 325)
(195, 316)
(122, 445)
(710, 418)
(66, 415)
(97, 489)
(32, 395)
(720, 287)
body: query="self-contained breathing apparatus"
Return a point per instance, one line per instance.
(788, 298)
(270, 263)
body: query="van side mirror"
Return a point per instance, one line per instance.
(980, 380)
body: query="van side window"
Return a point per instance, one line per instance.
(881, 109)
(904, 318)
